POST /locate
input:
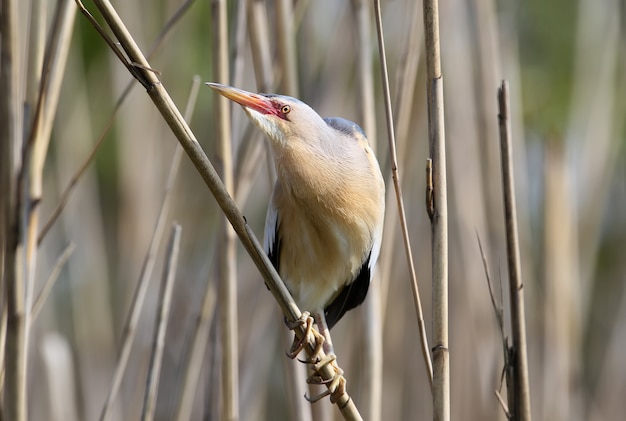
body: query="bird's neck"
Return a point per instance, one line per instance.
(305, 172)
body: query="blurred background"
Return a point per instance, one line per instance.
(565, 61)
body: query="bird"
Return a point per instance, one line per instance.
(324, 221)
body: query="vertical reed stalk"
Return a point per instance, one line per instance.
(438, 211)
(228, 250)
(520, 407)
(288, 71)
(373, 343)
(13, 276)
(44, 108)
(259, 44)
(287, 47)
(262, 62)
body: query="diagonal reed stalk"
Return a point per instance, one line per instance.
(403, 113)
(130, 324)
(49, 283)
(193, 359)
(499, 313)
(399, 201)
(160, 327)
(139, 67)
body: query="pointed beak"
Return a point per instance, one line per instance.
(244, 98)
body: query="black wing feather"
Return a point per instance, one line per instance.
(351, 295)
(274, 251)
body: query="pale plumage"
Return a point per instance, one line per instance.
(324, 221)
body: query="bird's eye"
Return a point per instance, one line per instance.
(285, 109)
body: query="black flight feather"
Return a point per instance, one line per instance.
(351, 295)
(274, 251)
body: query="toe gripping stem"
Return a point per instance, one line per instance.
(336, 385)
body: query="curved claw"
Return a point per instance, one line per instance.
(319, 397)
(336, 385)
(299, 344)
(336, 388)
(317, 379)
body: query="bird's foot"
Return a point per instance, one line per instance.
(336, 386)
(299, 343)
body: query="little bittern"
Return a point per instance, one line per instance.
(325, 218)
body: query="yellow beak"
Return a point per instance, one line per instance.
(244, 98)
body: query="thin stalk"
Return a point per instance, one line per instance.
(262, 62)
(193, 360)
(487, 64)
(165, 303)
(3, 337)
(499, 313)
(158, 94)
(520, 408)
(286, 39)
(259, 44)
(407, 78)
(438, 211)
(240, 43)
(132, 320)
(227, 251)
(36, 49)
(34, 94)
(286, 28)
(53, 69)
(373, 335)
(365, 71)
(52, 278)
(405, 84)
(13, 276)
(399, 201)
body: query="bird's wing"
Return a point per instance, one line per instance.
(271, 239)
(351, 295)
(347, 127)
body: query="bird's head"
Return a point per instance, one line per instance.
(282, 118)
